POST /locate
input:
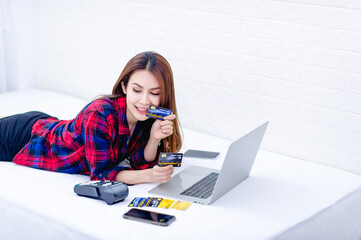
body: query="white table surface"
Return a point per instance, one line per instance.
(279, 193)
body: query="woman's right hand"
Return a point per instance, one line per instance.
(161, 174)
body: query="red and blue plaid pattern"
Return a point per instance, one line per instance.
(94, 143)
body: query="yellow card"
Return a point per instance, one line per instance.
(179, 205)
(166, 203)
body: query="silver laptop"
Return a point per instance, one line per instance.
(205, 185)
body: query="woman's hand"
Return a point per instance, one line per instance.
(162, 129)
(156, 174)
(161, 174)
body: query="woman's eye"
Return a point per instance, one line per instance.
(155, 93)
(136, 90)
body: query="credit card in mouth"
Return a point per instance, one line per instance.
(158, 112)
(166, 159)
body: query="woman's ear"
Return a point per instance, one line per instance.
(124, 88)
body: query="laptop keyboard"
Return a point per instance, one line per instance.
(203, 188)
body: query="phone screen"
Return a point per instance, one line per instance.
(148, 216)
(201, 154)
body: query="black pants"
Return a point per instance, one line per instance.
(15, 132)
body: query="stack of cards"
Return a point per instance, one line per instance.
(166, 159)
(158, 112)
(159, 203)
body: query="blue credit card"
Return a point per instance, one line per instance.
(166, 159)
(137, 202)
(158, 112)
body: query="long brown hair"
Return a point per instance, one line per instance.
(159, 66)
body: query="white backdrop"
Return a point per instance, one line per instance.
(3, 84)
(18, 44)
(237, 63)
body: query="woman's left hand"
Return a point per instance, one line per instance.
(162, 129)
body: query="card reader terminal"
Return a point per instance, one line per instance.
(109, 191)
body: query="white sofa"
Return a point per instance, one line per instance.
(284, 198)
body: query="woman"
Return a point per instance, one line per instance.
(111, 138)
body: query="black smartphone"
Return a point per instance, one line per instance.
(149, 217)
(201, 154)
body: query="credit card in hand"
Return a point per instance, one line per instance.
(166, 159)
(158, 112)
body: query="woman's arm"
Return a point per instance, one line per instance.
(155, 174)
(160, 130)
(150, 150)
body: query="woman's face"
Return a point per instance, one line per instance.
(143, 89)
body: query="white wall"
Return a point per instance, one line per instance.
(17, 44)
(237, 63)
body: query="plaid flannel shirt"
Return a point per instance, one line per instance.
(94, 143)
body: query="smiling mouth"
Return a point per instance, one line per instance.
(142, 110)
